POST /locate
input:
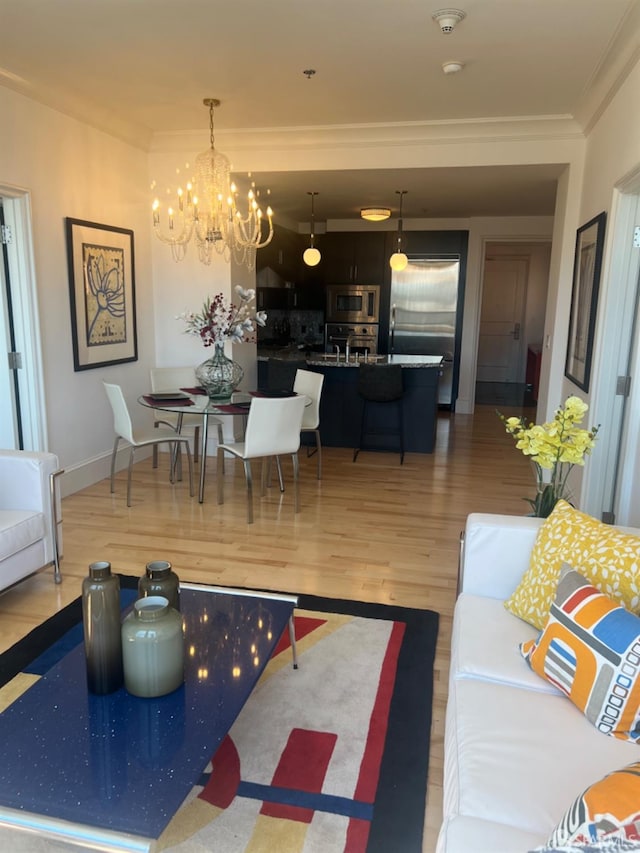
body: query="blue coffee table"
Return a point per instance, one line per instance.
(111, 771)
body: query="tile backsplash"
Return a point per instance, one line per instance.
(305, 326)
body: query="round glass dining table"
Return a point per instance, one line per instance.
(198, 404)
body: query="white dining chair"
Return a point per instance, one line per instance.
(173, 379)
(273, 429)
(309, 383)
(123, 428)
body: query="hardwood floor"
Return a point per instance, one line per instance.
(373, 530)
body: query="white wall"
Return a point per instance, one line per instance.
(72, 170)
(612, 158)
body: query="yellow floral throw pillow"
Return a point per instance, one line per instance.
(609, 559)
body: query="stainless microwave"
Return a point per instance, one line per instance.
(353, 303)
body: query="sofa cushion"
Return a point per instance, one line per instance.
(609, 806)
(475, 835)
(518, 756)
(590, 649)
(18, 529)
(609, 559)
(485, 643)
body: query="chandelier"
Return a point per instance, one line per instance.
(206, 210)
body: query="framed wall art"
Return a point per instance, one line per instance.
(102, 294)
(584, 300)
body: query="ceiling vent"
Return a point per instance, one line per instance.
(448, 18)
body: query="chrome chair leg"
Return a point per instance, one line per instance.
(319, 449)
(154, 463)
(190, 463)
(113, 462)
(53, 493)
(130, 471)
(296, 484)
(196, 443)
(292, 640)
(249, 479)
(219, 478)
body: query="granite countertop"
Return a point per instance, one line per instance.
(329, 360)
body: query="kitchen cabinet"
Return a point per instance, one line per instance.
(341, 406)
(353, 257)
(301, 297)
(272, 298)
(282, 256)
(308, 296)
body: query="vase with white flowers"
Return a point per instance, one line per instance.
(217, 322)
(554, 448)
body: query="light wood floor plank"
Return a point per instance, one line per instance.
(373, 531)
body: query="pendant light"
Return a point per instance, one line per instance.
(398, 261)
(311, 256)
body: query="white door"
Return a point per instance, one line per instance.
(10, 432)
(500, 346)
(22, 413)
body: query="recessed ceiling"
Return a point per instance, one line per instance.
(140, 67)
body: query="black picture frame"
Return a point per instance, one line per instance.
(102, 294)
(587, 266)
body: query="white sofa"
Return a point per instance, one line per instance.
(30, 516)
(517, 751)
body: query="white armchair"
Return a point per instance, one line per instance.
(30, 515)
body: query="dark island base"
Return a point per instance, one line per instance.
(341, 409)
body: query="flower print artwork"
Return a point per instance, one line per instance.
(102, 293)
(105, 306)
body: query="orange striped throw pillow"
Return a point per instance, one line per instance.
(590, 650)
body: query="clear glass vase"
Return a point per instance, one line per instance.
(219, 375)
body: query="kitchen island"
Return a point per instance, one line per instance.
(341, 406)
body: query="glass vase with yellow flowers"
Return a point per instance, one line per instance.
(554, 448)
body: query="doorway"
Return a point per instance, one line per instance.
(611, 487)
(502, 319)
(514, 294)
(23, 420)
(10, 417)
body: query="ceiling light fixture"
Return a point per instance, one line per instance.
(398, 261)
(452, 66)
(375, 214)
(206, 210)
(311, 256)
(448, 18)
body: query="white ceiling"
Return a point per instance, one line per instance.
(143, 67)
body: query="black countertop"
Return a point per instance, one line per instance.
(316, 359)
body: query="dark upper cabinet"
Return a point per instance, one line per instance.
(307, 296)
(269, 298)
(353, 257)
(282, 257)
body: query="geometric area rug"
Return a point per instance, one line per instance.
(332, 757)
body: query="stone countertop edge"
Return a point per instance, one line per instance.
(412, 361)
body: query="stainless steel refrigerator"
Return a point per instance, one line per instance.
(425, 316)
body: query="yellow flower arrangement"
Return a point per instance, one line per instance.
(556, 447)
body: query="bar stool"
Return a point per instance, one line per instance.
(380, 385)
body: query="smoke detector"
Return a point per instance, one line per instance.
(448, 18)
